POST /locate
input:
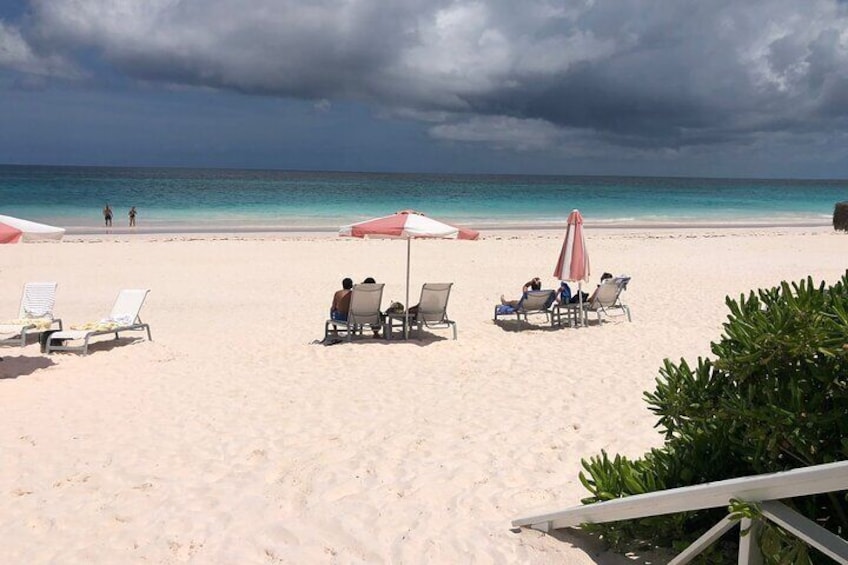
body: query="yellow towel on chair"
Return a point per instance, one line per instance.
(40, 324)
(100, 326)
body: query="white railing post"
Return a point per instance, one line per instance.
(749, 549)
(806, 530)
(703, 542)
(762, 489)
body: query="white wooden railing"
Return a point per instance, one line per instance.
(762, 489)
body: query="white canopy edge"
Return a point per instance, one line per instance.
(33, 231)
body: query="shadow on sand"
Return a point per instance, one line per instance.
(14, 367)
(521, 326)
(597, 550)
(421, 339)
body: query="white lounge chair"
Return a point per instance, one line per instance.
(532, 302)
(123, 318)
(365, 300)
(607, 299)
(431, 313)
(34, 316)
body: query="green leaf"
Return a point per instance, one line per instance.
(773, 397)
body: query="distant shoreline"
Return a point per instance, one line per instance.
(636, 226)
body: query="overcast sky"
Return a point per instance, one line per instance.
(676, 87)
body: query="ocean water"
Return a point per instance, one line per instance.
(218, 199)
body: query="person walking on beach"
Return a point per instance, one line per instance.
(132, 217)
(107, 215)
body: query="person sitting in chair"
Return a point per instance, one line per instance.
(586, 298)
(375, 328)
(533, 284)
(563, 295)
(341, 301)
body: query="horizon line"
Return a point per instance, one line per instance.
(420, 173)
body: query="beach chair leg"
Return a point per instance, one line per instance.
(44, 340)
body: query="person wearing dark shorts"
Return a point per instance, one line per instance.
(341, 301)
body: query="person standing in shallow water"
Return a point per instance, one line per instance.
(107, 215)
(132, 217)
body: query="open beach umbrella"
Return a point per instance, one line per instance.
(408, 225)
(13, 230)
(573, 262)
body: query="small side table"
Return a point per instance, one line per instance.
(569, 315)
(395, 321)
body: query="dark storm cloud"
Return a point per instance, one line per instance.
(623, 72)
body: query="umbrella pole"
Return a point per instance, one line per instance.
(406, 317)
(580, 301)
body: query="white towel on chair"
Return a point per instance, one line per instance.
(39, 299)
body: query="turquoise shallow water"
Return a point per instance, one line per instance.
(176, 199)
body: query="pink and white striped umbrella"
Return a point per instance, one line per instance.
(408, 225)
(573, 262)
(14, 230)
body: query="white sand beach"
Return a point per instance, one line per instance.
(233, 438)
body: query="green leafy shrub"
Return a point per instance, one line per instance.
(774, 398)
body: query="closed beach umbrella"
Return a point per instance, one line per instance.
(573, 262)
(14, 230)
(408, 225)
